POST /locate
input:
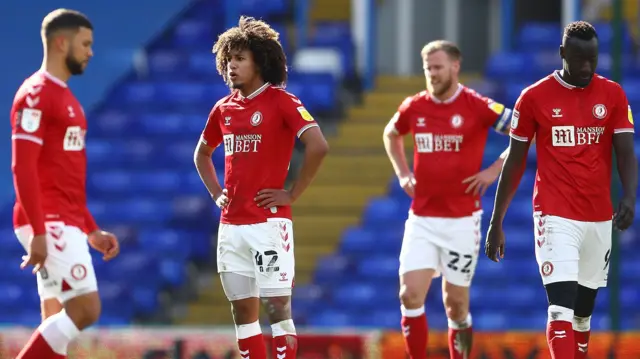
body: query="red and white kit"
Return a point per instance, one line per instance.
(443, 228)
(48, 138)
(574, 129)
(258, 133)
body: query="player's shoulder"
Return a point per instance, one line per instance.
(419, 98)
(606, 84)
(473, 95)
(280, 93)
(540, 88)
(37, 89)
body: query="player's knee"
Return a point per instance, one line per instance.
(245, 311)
(456, 307)
(278, 308)
(411, 297)
(84, 310)
(585, 302)
(562, 294)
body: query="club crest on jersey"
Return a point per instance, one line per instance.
(546, 269)
(456, 121)
(599, 111)
(256, 118)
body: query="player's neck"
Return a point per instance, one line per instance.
(55, 69)
(248, 90)
(448, 94)
(566, 78)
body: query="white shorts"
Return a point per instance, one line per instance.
(568, 250)
(68, 270)
(263, 251)
(448, 245)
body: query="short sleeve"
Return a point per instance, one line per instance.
(622, 116)
(523, 123)
(400, 119)
(296, 116)
(29, 117)
(492, 113)
(212, 134)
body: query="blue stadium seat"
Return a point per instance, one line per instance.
(540, 36)
(330, 267)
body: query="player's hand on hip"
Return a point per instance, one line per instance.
(105, 243)
(479, 182)
(494, 244)
(623, 218)
(269, 198)
(37, 253)
(408, 184)
(222, 200)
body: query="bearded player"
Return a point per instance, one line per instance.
(257, 124)
(449, 124)
(51, 217)
(578, 117)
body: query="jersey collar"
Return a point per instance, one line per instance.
(255, 93)
(450, 99)
(556, 75)
(53, 79)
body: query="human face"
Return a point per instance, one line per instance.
(579, 60)
(241, 70)
(79, 50)
(440, 71)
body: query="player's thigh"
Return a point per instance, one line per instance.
(595, 254)
(419, 251)
(459, 249)
(242, 292)
(233, 253)
(557, 248)
(68, 271)
(272, 247)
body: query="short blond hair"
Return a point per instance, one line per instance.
(451, 49)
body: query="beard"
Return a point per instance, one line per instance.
(75, 67)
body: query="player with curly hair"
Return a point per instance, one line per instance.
(257, 124)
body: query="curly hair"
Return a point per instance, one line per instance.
(581, 30)
(259, 38)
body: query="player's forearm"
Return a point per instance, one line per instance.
(512, 171)
(313, 157)
(207, 173)
(394, 145)
(628, 170)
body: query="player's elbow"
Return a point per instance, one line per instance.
(319, 147)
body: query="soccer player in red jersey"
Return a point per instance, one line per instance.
(449, 124)
(51, 218)
(257, 124)
(578, 117)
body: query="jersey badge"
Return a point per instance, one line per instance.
(496, 107)
(227, 121)
(630, 115)
(421, 122)
(256, 118)
(305, 114)
(30, 120)
(557, 112)
(515, 116)
(456, 121)
(599, 111)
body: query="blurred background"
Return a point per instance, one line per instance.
(147, 93)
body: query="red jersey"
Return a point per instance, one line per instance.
(574, 130)
(48, 155)
(258, 133)
(449, 141)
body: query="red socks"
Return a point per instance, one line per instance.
(581, 333)
(38, 348)
(460, 338)
(250, 341)
(560, 333)
(51, 339)
(415, 331)
(285, 341)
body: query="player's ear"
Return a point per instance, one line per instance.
(561, 52)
